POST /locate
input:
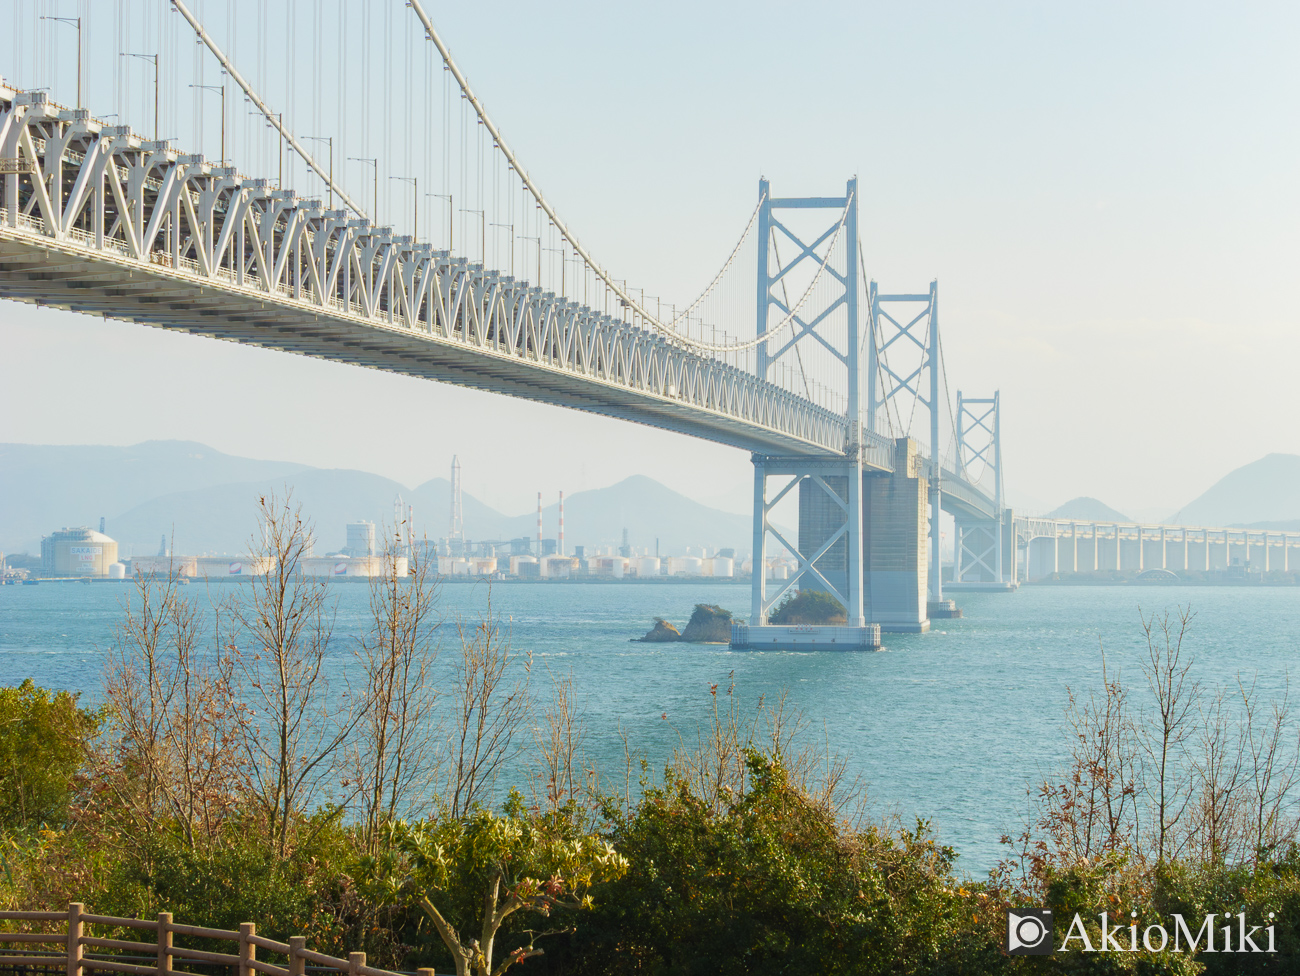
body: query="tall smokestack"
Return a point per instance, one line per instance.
(539, 525)
(561, 540)
(456, 528)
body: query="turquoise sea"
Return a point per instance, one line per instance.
(951, 726)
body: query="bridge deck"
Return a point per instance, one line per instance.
(97, 220)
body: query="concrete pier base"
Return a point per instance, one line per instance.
(799, 637)
(896, 543)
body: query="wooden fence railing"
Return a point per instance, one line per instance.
(82, 954)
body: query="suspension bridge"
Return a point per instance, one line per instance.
(836, 387)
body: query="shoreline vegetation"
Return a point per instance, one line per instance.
(463, 827)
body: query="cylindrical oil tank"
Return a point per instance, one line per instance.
(77, 552)
(686, 565)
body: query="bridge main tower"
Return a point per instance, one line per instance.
(820, 332)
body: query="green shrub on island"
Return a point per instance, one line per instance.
(815, 607)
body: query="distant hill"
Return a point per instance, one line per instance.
(206, 502)
(650, 511)
(45, 487)
(222, 519)
(1264, 491)
(1087, 510)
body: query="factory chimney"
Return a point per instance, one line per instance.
(101, 525)
(456, 530)
(561, 539)
(539, 525)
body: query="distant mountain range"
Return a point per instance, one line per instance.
(1087, 510)
(204, 501)
(1264, 494)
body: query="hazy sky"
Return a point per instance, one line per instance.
(1106, 192)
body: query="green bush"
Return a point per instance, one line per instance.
(808, 607)
(45, 739)
(773, 883)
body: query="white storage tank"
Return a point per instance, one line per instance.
(723, 566)
(117, 570)
(79, 551)
(519, 561)
(647, 566)
(685, 566)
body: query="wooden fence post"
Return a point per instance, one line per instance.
(425, 972)
(76, 928)
(356, 962)
(164, 943)
(297, 962)
(247, 951)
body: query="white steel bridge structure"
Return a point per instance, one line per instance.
(97, 219)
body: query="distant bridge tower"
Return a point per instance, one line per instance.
(829, 549)
(907, 326)
(456, 528)
(984, 548)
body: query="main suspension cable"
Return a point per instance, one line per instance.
(271, 117)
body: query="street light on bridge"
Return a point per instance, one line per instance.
(415, 182)
(219, 88)
(482, 249)
(512, 246)
(154, 59)
(76, 22)
(451, 217)
(374, 214)
(330, 140)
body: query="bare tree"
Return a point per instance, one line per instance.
(297, 724)
(559, 773)
(716, 765)
(395, 757)
(1167, 669)
(178, 711)
(490, 707)
(1217, 804)
(1270, 774)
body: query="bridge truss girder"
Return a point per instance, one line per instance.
(143, 232)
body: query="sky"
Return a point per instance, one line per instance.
(1106, 194)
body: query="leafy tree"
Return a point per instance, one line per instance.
(45, 739)
(472, 874)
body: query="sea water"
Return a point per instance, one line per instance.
(952, 726)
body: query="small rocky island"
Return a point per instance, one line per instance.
(709, 624)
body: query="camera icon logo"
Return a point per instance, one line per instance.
(1029, 934)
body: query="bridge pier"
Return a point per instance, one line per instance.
(984, 550)
(896, 547)
(868, 548)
